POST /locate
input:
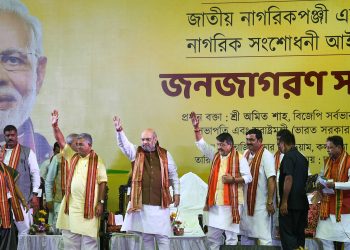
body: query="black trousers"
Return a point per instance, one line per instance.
(8, 237)
(292, 229)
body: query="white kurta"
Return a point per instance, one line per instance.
(75, 221)
(259, 225)
(221, 216)
(332, 230)
(150, 219)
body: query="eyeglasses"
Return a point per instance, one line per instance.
(16, 60)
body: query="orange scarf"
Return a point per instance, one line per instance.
(64, 174)
(90, 183)
(230, 190)
(15, 155)
(254, 170)
(6, 180)
(342, 176)
(136, 182)
(277, 160)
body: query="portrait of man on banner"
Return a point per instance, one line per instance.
(22, 72)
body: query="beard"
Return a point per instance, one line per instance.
(20, 113)
(148, 148)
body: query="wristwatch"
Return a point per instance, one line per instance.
(101, 201)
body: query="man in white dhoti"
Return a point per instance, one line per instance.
(229, 171)
(259, 194)
(82, 204)
(334, 223)
(153, 168)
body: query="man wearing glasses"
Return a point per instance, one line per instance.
(228, 173)
(22, 71)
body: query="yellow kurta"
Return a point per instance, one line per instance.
(75, 221)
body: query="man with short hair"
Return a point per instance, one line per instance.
(55, 183)
(22, 71)
(294, 204)
(229, 171)
(10, 199)
(44, 167)
(153, 169)
(82, 205)
(23, 160)
(334, 223)
(259, 205)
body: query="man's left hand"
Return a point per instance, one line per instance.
(228, 179)
(99, 209)
(35, 204)
(176, 200)
(284, 208)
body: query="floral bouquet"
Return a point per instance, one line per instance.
(176, 224)
(39, 224)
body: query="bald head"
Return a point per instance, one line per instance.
(149, 140)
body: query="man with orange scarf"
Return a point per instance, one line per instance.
(82, 204)
(334, 223)
(259, 205)
(24, 161)
(10, 208)
(229, 171)
(153, 169)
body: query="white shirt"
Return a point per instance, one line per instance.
(33, 167)
(209, 151)
(220, 216)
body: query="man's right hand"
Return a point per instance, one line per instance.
(195, 120)
(54, 118)
(117, 123)
(49, 205)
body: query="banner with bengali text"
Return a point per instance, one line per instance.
(237, 64)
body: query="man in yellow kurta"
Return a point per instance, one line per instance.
(82, 204)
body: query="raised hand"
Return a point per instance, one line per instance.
(194, 119)
(54, 117)
(117, 123)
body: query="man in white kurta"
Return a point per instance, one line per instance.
(220, 215)
(151, 221)
(29, 175)
(259, 225)
(329, 229)
(220, 219)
